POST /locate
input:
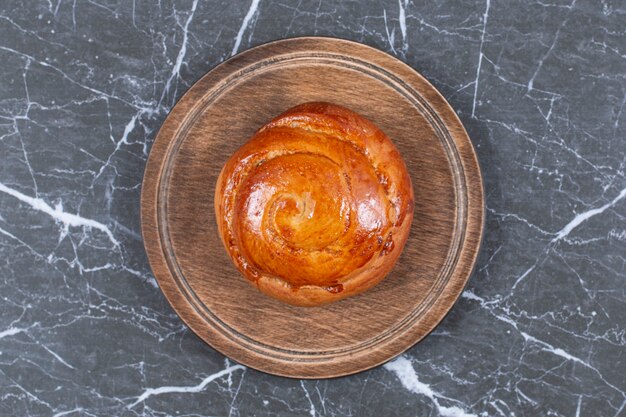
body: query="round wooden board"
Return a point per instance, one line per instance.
(217, 115)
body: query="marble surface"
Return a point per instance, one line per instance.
(541, 328)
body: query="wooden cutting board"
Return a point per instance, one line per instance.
(217, 115)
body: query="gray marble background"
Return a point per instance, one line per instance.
(540, 330)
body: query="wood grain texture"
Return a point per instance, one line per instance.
(217, 115)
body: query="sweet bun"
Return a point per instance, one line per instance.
(316, 206)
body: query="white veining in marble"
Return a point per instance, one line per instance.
(541, 327)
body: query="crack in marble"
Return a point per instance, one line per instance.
(584, 216)
(245, 23)
(175, 74)
(21, 242)
(467, 294)
(312, 410)
(58, 214)
(56, 356)
(403, 369)
(66, 77)
(402, 5)
(32, 33)
(480, 55)
(149, 392)
(11, 332)
(390, 36)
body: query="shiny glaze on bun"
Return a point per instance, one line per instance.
(316, 206)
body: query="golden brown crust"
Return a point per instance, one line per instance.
(316, 206)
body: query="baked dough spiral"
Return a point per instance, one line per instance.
(316, 206)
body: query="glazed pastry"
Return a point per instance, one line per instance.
(316, 206)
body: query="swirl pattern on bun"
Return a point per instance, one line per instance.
(316, 206)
